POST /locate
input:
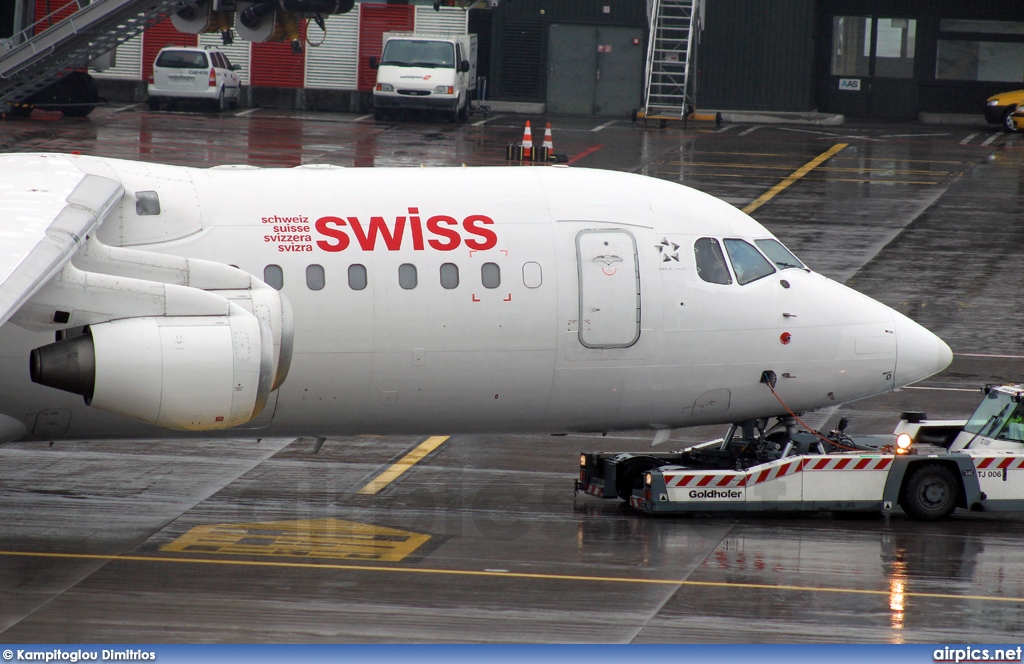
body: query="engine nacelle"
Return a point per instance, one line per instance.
(179, 372)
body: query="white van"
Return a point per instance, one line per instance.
(422, 72)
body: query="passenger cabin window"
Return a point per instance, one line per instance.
(357, 276)
(273, 275)
(747, 262)
(711, 262)
(782, 257)
(315, 277)
(490, 275)
(407, 276)
(532, 275)
(449, 276)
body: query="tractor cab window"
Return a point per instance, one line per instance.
(711, 262)
(999, 415)
(747, 262)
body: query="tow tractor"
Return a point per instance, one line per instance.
(926, 467)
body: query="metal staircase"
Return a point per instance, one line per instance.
(670, 55)
(30, 62)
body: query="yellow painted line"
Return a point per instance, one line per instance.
(749, 176)
(504, 575)
(306, 538)
(830, 169)
(858, 157)
(405, 463)
(796, 175)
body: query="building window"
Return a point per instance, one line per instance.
(449, 276)
(490, 275)
(357, 276)
(273, 275)
(894, 47)
(979, 61)
(315, 277)
(407, 276)
(851, 45)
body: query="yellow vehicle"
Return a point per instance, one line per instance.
(999, 109)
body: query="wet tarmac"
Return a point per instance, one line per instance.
(483, 540)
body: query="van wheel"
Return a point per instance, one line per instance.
(464, 113)
(154, 104)
(378, 115)
(931, 493)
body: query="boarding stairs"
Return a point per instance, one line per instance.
(47, 50)
(671, 53)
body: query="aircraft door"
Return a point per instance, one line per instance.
(609, 282)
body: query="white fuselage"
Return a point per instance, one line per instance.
(576, 306)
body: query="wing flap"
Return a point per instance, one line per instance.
(47, 207)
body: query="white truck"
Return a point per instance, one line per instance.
(425, 72)
(926, 467)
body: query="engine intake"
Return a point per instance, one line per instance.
(193, 373)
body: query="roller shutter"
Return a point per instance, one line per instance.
(448, 21)
(333, 63)
(275, 66)
(374, 21)
(129, 62)
(60, 9)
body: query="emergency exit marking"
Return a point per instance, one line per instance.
(849, 84)
(604, 48)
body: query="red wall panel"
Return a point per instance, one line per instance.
(160, 35)
(60, 10)
(374, 21)
(273, 64)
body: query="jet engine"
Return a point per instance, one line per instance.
(180, 372)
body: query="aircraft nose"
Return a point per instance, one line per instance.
(919, 353)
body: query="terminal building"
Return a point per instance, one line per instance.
(866, 59)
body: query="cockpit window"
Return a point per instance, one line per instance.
(747, 262)
(711, 262)
(782, 257)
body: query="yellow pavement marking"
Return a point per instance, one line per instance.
(405, 463)
(505, 575)
(796, 175)
(831, 169)
(858, 157)
(309, 538)
(751, 176)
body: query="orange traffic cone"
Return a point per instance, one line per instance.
(527, 143)
(547, 138)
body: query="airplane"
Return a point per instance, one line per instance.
(145, 301)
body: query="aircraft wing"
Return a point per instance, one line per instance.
(47, 207)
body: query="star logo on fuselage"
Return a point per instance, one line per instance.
(669, 251)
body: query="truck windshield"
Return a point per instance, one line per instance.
(998, 416)
(418, 53)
